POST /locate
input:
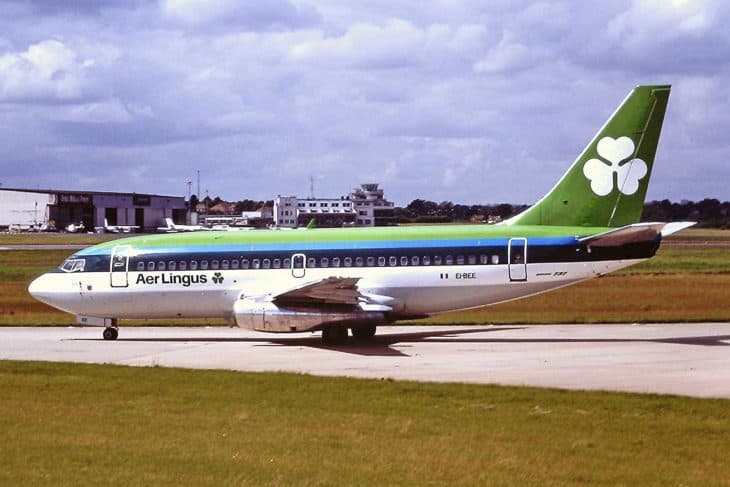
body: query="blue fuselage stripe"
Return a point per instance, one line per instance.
(318, 246)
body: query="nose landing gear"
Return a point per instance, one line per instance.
(111, 333)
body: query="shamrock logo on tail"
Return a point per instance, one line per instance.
(218, 278)
(613, 152)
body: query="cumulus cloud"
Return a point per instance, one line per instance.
(48, 70)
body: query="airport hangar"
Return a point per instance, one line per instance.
(34, 208)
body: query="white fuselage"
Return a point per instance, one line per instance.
(196, 294)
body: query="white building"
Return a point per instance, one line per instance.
(365, 206)
(285, 211)
(371, 206)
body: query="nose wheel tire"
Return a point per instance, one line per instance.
(110, 333)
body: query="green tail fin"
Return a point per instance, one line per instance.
(606, 185)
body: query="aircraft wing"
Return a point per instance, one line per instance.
(329, 291)
(638, 232)
(334, 292)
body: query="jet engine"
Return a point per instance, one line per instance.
(267, 316)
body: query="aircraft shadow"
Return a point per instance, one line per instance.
(382, 345)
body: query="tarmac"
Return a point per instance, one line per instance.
(682, 359)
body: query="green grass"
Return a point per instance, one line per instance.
(701, 235)
(57, 238)
(82, 424)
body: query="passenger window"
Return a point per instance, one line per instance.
(214, 264)
(140, 266)
(348, 261)
(437, 260)
(449, 260)
(182, 265)
(495, 259)
(311, 262)
(324, 262)
(358, 262)
(426, 260)
(204, 265)
(460, 260)
(160, 266)
(335, 262)
(235, 264)
(193, 265)
(393, 261)
(225, 264)
(483, 259)
(404, 260)
(171, 265)
(287, 263)
(381, 261)
(414, 260)
(266, 264)
(371, 261)
(244, 264)
(277, 263)
(472, 259)
(150, 266)
(255, 264)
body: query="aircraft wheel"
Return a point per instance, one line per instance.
(334, 335)
(110, 333)
(364, 333)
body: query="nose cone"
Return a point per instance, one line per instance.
(39, 288)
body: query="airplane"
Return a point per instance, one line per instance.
(173, 227)
(351, 280)
(75, 228)
(119, 228)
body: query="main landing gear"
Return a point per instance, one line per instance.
(337, 335)
(111, 333)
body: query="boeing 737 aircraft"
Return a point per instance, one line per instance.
(335, 280)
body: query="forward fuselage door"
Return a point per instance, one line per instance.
(298, 265)
(119, 266)
(517, 258)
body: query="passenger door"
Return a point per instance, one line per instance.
(119, 266)
(298, 265)
(517, 258)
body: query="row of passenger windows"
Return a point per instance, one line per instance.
(313, 262)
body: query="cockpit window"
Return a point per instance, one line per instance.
(73, 265)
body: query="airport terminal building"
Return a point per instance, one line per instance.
(34, 208)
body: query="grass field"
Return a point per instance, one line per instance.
(81, 424)
(688, 280)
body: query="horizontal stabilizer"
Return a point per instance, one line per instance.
(675, 227)
(638, 232)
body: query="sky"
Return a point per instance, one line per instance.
(473, 102)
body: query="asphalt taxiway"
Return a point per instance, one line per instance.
(684, 359)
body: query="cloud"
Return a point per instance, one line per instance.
(437, 100)
(48, 70)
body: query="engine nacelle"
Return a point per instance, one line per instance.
(266, 316)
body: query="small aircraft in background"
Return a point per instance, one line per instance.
(75, 227)
(119, 228)
(173, 227)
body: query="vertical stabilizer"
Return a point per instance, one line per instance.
(606, 185)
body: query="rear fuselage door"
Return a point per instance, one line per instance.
(298, 265)
(119, 266)
(517, 258)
